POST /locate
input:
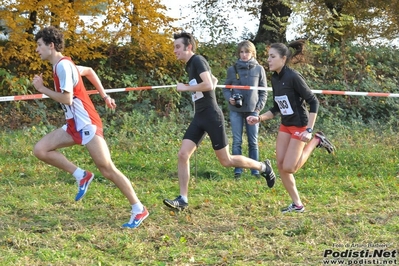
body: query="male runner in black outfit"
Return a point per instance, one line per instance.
(208, 118)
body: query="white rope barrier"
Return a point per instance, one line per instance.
(328, 92)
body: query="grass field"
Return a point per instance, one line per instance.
(351, 204)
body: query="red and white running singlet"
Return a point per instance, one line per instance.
(82, 111)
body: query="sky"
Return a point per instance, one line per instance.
(180, 8)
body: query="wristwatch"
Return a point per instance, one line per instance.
(310, 130)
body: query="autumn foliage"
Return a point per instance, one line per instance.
(93, 30)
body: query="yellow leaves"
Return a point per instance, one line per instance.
(139, 25)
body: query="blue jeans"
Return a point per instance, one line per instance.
(238, 120)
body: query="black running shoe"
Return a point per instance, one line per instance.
(269, 174)
(325, 143)
(237, 176)
(178, 203)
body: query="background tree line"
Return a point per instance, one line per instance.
(132, 46)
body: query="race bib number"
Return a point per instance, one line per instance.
(284, 105)
(196, 95)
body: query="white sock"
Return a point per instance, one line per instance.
(79, 174)
(137, 207)
(184, 198)
(263, 166)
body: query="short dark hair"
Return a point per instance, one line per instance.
(188, 38)
(51, 35)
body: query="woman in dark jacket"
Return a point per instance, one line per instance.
(291, 96)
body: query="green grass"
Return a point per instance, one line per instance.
(351, 199)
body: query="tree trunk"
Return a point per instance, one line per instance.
(33, 20)
(273, 22)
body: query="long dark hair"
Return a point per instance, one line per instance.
(294, 51)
